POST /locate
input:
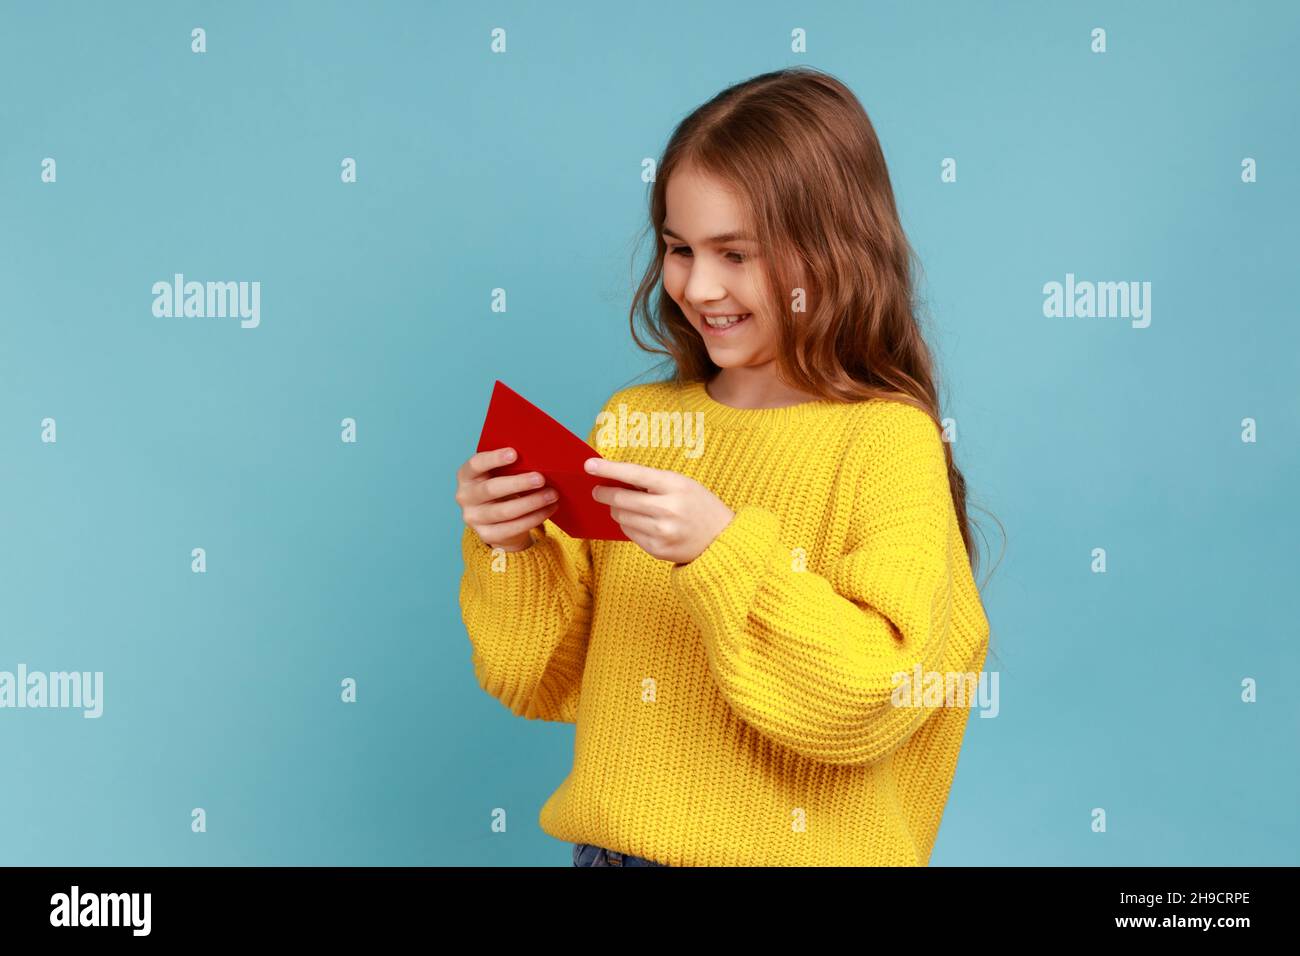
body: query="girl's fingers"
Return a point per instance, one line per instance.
(491, 489)
(640, 502)
(496, 512)
(636, 522)
(485, 461)
(511, 529)
(643, 476)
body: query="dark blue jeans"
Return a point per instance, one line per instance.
(588, 854)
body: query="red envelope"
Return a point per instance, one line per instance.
(543, 444)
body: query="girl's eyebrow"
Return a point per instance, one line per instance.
(718, 240)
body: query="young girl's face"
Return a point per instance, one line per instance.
(711, 271)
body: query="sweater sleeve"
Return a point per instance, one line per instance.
(810, 660)
(528, 617)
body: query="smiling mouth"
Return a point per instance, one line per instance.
(724, 323)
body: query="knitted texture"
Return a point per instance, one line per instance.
(740, 709)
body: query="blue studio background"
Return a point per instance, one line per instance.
(478, 170)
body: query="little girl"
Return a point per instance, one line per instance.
(753, 674)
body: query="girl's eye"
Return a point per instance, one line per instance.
(678, 251)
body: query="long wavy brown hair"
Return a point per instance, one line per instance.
(799, 151)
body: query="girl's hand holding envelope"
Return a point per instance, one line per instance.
(674, 519)
(502, 510)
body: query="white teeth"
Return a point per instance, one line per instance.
(724, 321)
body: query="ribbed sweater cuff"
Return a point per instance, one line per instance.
(722, 581)
(530, 577)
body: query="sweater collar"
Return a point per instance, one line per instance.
(694, 397)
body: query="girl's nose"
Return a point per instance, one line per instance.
(703, 285)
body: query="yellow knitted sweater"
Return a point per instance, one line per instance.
(740, 709)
